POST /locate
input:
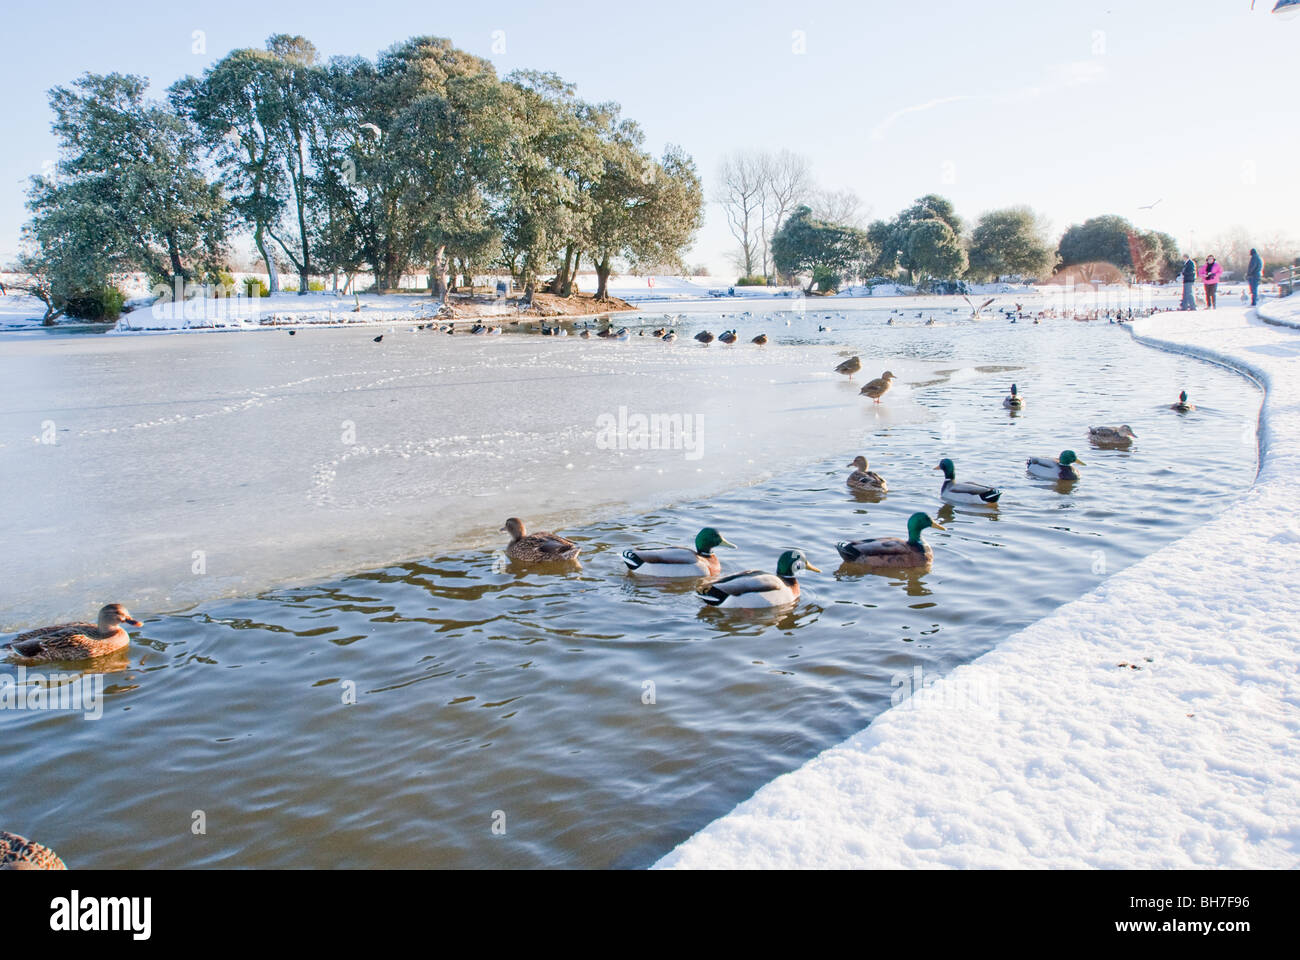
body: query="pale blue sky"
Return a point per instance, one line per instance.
(1076, 108)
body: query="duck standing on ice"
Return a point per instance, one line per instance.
(875, 389)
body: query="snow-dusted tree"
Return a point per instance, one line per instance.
(127, 194)
(644, 211)
(1010, 241)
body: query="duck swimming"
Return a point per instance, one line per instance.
(537, 547)
(753, 588)
(680, 561)
(19, 853)
(1182, 406)
(1060, 468)
(875, 389)
(1015, 401)
(893, 552)
(863, 479)
(77, 641)
(970, 493)
(1122, 434)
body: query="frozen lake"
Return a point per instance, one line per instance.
(164, 470)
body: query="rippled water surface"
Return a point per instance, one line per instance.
(488, 696)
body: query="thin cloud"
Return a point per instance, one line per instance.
(1076, 73)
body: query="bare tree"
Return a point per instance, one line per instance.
(740, 194)
(787, 182)
(841, 207)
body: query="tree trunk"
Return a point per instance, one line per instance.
(173, 251)
(440, 289)
(602, 278)
(274, 285)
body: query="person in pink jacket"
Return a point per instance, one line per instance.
(1210, 272)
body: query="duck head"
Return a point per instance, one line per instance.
(859, 463)
(1182, 397)
(113, 615)
(1068, 457)
(948, 467)
(888, 376)
(708, 538)
(1013, 391)
(918, 522)
(1126, 431)
(515, 527)
(791, 562)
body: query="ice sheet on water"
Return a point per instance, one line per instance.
(161, 471)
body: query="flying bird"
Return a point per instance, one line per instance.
(974, 310)
(1151, 206)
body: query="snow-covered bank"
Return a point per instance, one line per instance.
(1149, 724)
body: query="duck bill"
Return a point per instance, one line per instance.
(936, 468)
(937, 525)
(809, 566)
(724, 542)
(1079, 462)
(133, 623)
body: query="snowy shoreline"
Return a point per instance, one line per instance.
(1148, 724)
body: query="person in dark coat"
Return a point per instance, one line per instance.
(1253, 274)
(1189, 284)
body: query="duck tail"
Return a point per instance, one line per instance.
(631, 559)
(992, 496)
(712, 596)
(848, 553)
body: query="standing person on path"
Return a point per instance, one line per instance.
(1253, 274)
(1189, 284)
(1210, 273)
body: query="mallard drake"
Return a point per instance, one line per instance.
(754, 588)
(761, 340)
(875, 389)
(704, 337)
(1182, 406)
(670, 336)
(728, 336)
(680, 561)
(537, 547)
(19, 853)
(892, 551)
(621, 334)
(863, 479)
(77, 641)
(1117, 435)
(850, 366)
(1058, 468)
(1015, 401)
(971, 493)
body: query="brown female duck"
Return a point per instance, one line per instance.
(76, 641)
(19, 853)
(537, 547)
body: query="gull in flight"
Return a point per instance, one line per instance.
(1151, 206)
(974, 310)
